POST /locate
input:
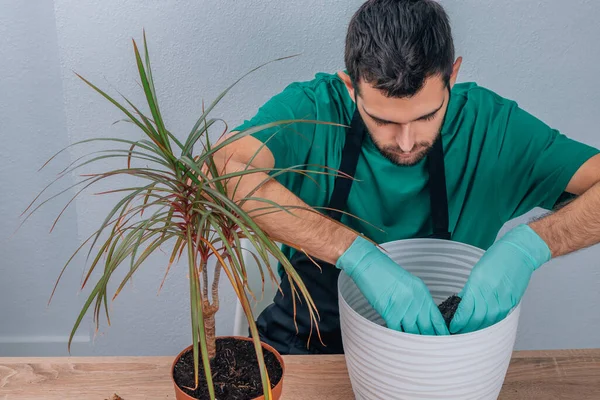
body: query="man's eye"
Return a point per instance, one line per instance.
(428, 118)
(379, 123)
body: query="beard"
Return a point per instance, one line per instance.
(402, 158)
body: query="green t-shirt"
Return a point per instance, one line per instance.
(500, 162)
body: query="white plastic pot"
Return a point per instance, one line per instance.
(387, 364)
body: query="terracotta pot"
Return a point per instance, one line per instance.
(276, 391)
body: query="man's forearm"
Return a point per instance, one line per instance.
(309, 230)
(573, 227)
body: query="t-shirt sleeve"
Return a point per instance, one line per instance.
(535, 163)
(289, 142)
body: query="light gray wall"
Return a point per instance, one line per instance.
(32, 127)
(532, 52)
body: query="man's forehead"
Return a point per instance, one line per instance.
(401, 110)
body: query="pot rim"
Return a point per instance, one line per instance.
(439, 338)
(264, 345)
(433, 240)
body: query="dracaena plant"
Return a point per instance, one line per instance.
(184, 201)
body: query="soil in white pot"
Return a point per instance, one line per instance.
(235, 371)
(448, 308)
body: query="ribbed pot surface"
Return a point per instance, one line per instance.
(386, 364)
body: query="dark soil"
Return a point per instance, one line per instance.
(448, 308)
(235, 371)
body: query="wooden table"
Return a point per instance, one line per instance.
(548, 375)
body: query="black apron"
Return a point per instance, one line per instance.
(276, 323)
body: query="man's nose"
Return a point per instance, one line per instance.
(405, 138)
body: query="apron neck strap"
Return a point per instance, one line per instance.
(438, 197)
(350, 154)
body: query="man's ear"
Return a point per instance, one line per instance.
(455, 69)
(348, 82)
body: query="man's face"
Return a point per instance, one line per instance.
(404, 129)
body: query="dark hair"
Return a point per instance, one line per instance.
(396, 44)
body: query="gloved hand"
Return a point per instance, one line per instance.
(498, 281)
(402, 299)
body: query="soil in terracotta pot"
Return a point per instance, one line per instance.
(448, 308)
(234, 369)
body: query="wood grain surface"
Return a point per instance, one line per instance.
(547, 375)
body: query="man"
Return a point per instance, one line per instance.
(430, 158)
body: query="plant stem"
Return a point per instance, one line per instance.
(215, 287)
(210, 309)
(205, 281)
(209, 329)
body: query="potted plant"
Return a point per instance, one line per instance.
(184, 201)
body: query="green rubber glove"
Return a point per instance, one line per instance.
(402, 299)
(499, 280)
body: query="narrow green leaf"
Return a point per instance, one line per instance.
(86, 141)
(198, 321)
(152, 103)
(82, 313)
(138, 262)
(198, 134)
(52, 198)
(148, 122)
(250, 131)
(266, 384)
(295, 278)
(187, 147)
(124, 110)
(138, 235)
(122, 203)
(115, 153)
(178, 247)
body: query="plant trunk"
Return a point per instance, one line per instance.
(209, 328)
(210, 310)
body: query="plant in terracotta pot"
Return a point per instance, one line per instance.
(183, 201)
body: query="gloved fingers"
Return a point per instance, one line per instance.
(425, 323)
(409, 321)
(393, 317)
(464, 311)
(394, 323)
(501, 316)
(515, 290)
(463, 293)
(479, 312)
(505, 297)
(390, 308)
(494, 309)
(424, 318)
(437, 320)
(506, 300)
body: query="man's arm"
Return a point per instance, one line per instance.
(316, 234)
(577, 225)
(402, 299)
(499, 280)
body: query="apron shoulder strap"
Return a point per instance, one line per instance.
(437, 186)
(437, 191)
(350, 154)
